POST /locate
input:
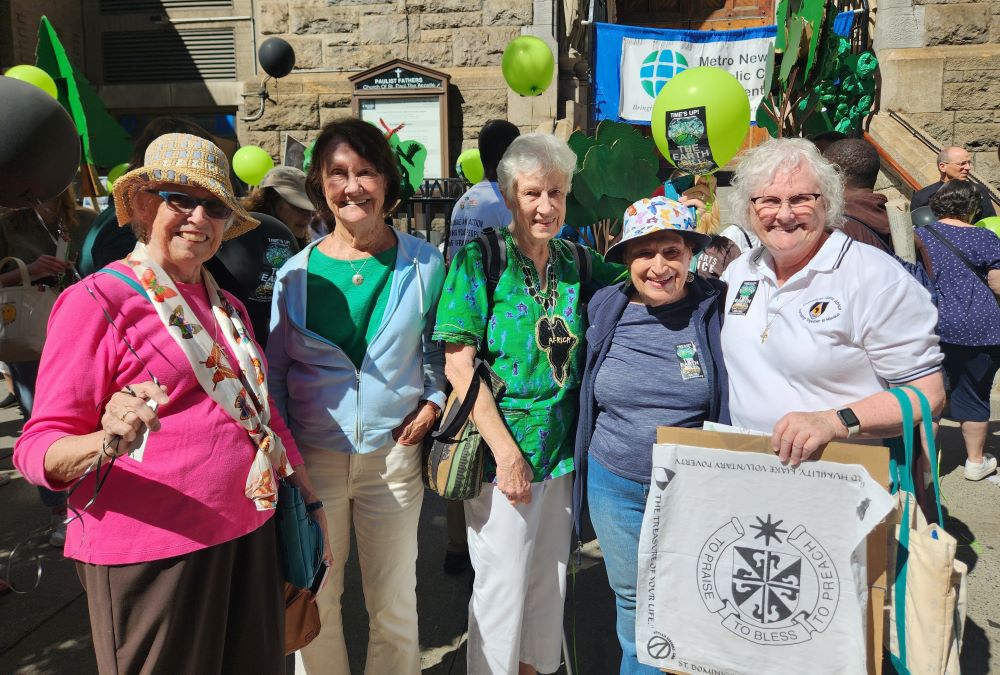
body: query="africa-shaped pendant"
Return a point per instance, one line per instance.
(553, 336)
(357, 279)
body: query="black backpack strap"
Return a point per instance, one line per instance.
(584, 263)
(494, 251)
(980, 274)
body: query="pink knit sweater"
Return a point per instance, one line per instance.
(187, 493)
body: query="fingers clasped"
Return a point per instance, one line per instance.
(127, 412)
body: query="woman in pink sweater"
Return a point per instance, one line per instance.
(177, 552)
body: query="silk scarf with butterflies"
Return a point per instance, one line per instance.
(240, 391)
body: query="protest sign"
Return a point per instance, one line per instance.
(633, 64)
(747, 565)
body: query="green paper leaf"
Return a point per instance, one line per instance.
(796, 31)
(580, 143)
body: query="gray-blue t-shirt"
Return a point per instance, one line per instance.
(653, 375)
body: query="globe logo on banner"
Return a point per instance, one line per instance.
(659, 67)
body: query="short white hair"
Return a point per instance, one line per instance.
(759, 167)
(535, 153)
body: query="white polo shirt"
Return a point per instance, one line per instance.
(849, 324)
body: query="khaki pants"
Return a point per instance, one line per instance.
(380, 494)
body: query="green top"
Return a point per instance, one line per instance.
(346, 314)
(537, 354)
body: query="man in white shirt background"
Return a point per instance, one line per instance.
(482, 205)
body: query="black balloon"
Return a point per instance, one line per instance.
(276, 57)
(39, 145)
(922, 217)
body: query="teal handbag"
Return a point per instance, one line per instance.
(300, 538)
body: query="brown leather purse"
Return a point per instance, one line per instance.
(301, 618)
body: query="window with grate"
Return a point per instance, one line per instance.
(159, 6)
(169, 55)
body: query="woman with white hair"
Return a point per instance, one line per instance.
(818, 326)
(529, 329)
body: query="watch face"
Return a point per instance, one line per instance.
(848, 417)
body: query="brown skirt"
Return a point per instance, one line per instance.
(217, 610)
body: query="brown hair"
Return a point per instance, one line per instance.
(366, 140)
(262, 200)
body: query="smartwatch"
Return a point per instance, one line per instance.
(849, 420)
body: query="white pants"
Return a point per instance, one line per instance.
(520, 555)
(381, 492)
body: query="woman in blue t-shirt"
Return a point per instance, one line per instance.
(653, 359)
(969, 324)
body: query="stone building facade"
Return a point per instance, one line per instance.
(940, 65)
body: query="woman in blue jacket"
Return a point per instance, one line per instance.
(353, 370)
(653, 359)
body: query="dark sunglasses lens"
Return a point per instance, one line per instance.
(181, 202)
(217, 209)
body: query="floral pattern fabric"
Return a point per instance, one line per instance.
(240, 389)
(538, 354)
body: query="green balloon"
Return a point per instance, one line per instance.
(36, 76)
(527, 65)
(470, 166)
(251, 163)
(711, 111)
(116, 172)
(992, 224)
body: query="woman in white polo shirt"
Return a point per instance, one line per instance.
(817, 326)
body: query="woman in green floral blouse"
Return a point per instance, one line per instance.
(531, 333)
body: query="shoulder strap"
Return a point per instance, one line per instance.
(871, 229)
(127, 279)
(494, 250)
(961, 256)
(87, 248)
(584, 263)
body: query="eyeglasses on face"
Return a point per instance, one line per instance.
(767, 205)
(368, 178)
(964, 162)
(178, 202)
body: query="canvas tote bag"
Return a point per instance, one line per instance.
(927, 585)
(24, 315)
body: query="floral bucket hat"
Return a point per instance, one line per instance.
(183, 159)
(657, 214)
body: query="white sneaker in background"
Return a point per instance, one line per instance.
(981, 470)
(58, 537)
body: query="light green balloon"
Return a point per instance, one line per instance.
(992, 224)
(726, 114)
(251, 163)
(527, 65)
(470, 166)
(36, 76)
(116, 172)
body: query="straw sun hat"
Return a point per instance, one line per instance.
(182, 159)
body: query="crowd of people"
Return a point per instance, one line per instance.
(223, 347)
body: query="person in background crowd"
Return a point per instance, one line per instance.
(662, 303)
(106, 242)
(248, 265)
(530, 332)
(47, 238)
(953, 163)
(177, 553)
(356, 374)
(825, 139)
(865, 217)
(282, 194)
(482, 205)
(970, 316)
(812, 290)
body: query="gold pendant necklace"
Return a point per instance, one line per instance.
(766, 333)
(358, 277)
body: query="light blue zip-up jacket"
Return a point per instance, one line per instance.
(329, 404)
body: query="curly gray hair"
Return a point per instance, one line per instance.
(759, 167)
(535, 153)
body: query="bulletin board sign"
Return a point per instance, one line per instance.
(410, 100)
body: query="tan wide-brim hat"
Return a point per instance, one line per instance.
(290, 184)
(182, 159)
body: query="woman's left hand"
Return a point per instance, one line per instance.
(416, 425)
(319, 515)
(799, 435)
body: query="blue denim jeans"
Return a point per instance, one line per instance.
(616, 507)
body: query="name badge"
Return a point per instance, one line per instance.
(744, 297)
(688, 360)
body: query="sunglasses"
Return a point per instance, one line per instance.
(178, 202)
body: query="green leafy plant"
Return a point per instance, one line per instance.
(615, 167)
(816, 80)
(411, 156)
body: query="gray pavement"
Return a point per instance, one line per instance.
(47, 632)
